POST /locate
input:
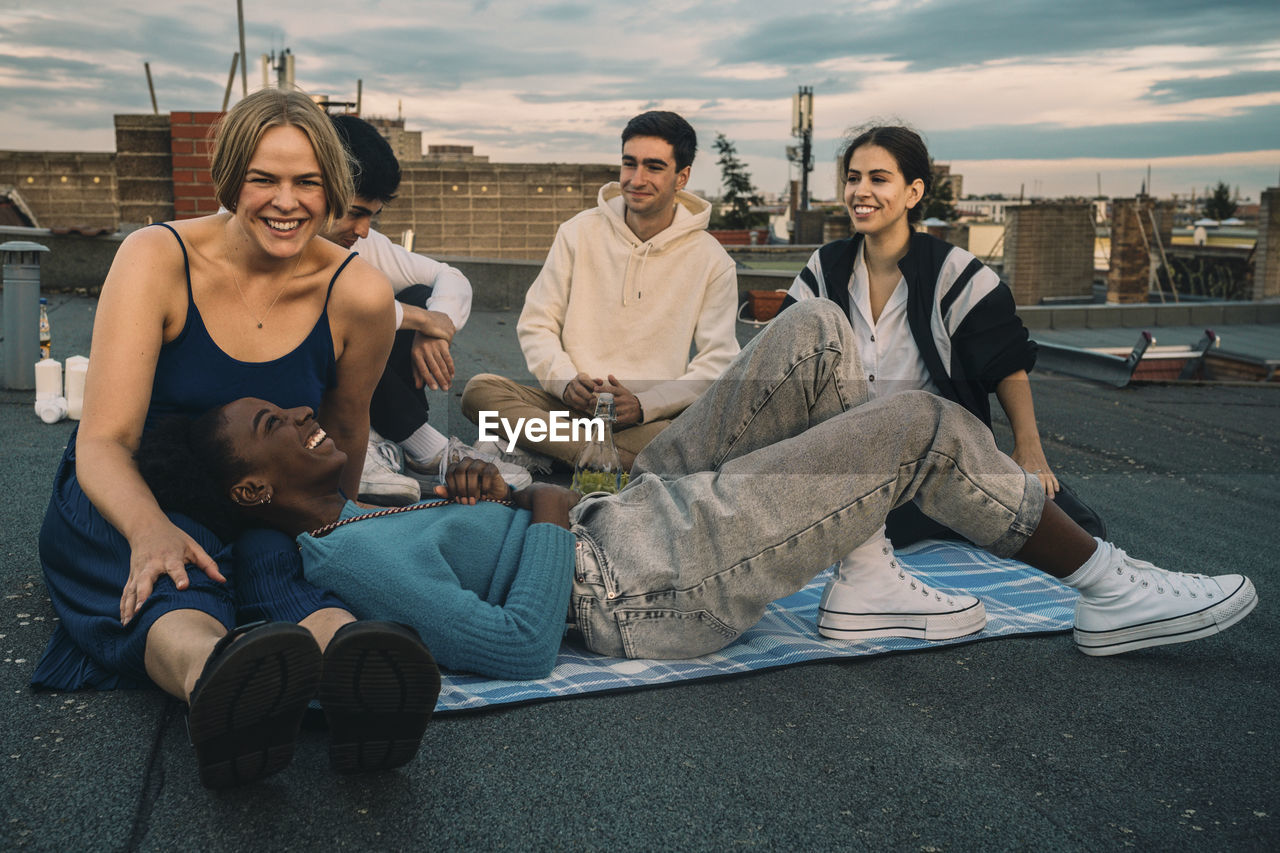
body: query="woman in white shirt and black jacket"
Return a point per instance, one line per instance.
(927, 316)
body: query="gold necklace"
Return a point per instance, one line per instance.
(279, 293)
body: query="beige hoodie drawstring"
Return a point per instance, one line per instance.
(628, 277)
(640, 275)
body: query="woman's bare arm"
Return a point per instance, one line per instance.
(141, 297)
(363, 321)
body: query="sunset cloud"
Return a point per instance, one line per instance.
(1000, 91)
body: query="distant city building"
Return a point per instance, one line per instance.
(407, 144)
(942, 174)
(989, 210)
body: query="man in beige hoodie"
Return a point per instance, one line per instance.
(629, 288)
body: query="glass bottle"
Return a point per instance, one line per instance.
(598, 468)
(46, 338)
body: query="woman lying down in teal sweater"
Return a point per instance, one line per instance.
(739, 502)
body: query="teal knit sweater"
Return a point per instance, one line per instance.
(486, 590)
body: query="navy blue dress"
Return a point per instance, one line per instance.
(86, 560)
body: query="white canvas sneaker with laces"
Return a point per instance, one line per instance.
(530, 461)
(431, 474)
(871, 595)
(381, 481)
(1131, 604)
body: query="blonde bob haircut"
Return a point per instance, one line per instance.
(242, 128)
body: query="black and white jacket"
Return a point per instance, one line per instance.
(961, 315)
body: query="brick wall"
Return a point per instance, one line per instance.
(1048, 252)
(1128, 280)
(64, 189)
(490, 210)
(144, 169)
(1266, 270)
(956, 235)
(191, 140)
(160, 171)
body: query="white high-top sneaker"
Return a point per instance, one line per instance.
(871, 595)
(381, 481)
(1131, 604)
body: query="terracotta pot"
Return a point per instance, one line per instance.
(764, 304)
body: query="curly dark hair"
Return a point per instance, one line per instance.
(196, 483)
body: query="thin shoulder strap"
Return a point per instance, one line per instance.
(334, 280)
(186, 261)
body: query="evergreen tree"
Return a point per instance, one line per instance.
(1219, 205)
(939, 203)
(739, 194)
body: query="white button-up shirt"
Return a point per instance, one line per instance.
(890, 358)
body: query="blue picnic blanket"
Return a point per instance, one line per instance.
(1017, 598)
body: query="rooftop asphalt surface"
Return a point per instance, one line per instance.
(1013, 744)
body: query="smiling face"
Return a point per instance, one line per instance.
(287, 451)
(876, 193)
(356, 223)
(649, 176)
(282, 202)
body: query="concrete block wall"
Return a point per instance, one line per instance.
(73, 262)
(1048, 252)
(490, 210)
(191, 140)
(1266, 269)
(64, 189)
(143, 170)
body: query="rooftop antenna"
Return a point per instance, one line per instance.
(1099, 185)
(802, 127)
(282, 65)
(151, 88)
(244, 74)
(359, 96)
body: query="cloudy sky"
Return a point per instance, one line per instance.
(1035, 94)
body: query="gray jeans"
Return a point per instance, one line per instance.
(777, 471)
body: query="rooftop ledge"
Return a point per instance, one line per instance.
(80, 262)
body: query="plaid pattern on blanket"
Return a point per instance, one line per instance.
(1018, 600)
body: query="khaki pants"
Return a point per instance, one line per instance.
(490, 393)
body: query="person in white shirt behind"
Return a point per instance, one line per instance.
(433, 302)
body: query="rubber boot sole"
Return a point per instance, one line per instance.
(249, 702)
(378, 692)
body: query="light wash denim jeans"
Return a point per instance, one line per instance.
(776, 472)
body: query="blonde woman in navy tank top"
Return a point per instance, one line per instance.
(192, 314)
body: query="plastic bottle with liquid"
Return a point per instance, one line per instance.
(46, 336)
(598, 467)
